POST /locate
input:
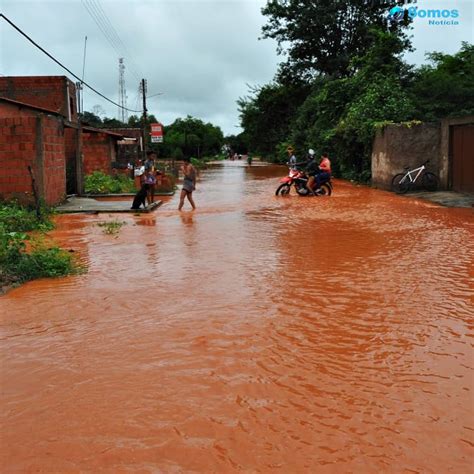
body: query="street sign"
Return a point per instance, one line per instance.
(156, 133)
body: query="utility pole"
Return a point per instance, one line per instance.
(144, 124)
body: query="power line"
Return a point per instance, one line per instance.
(101, 26)
(116, 35)
(60, 64)
(100, 18)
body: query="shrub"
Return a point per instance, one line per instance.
(19, 264)
(100, 183)
(16, 218)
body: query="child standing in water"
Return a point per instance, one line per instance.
(189, 183)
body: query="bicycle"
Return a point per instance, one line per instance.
(402, 182)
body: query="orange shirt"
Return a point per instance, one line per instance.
(325, 165)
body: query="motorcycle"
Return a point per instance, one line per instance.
(298, 179)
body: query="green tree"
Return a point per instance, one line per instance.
(91, 119)
(238, 143)
(321, 37)
(445, 87)
(194, 137)
(266, 115)
(112, 123)
(340, 115)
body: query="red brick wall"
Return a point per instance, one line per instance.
(56, 93)
(54, 161)
(17, 151)
(70, 144)
(19, 142)
(97, 152)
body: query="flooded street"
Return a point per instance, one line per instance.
(257, 334)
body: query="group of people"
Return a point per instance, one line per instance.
(148, 173)
(318, 171)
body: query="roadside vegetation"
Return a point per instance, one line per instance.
(100, 183)
(24, 252)
(345, 76)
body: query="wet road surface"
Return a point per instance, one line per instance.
(257, 334)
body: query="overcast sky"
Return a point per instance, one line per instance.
(200, 54)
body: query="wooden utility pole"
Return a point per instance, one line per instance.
(144, 124)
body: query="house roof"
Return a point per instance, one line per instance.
(101, 130)
(29, 106)
(131, 132)
(42, 109)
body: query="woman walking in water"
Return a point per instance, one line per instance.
(189, 183)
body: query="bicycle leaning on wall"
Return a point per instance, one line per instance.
(402, 182)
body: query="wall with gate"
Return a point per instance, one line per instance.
(449, 145)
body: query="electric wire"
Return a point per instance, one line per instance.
(62, 65)
(116, 35)
(97, 13)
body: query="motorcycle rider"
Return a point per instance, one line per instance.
(321, 173)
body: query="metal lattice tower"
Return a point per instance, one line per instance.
(122, 113)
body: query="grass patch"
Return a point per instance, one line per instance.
(111, 227)
(25, 257)
(16, 218)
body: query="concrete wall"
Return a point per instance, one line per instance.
(55, 93)
(30, 138)
(397, 146)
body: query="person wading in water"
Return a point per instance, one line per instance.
(189, 183)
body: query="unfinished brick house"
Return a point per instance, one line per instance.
(39, 127)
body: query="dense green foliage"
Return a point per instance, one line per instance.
(322, 37)
(23, 257)
(446, 86)
(267, 115)
(100, 183)
(344, 76)
(189, 137)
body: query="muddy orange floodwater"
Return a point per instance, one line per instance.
(257, 334)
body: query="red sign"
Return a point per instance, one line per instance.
(156, 133)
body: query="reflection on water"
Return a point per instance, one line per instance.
(256, 333)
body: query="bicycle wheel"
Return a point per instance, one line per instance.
(400, 183)
(430, 181)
